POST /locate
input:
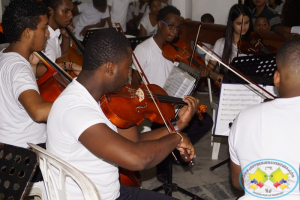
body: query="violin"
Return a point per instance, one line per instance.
(139, 105)
(51, 84)
(74, 55)
(179, 51)
(253, 44)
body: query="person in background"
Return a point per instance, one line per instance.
(261, 9)
(135, 13)
(226, 47)
(118, 11)
(90, 15)
(290, 19)
(276, 5)
(262, 23)
(148, 24)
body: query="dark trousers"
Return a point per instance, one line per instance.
(37, 177)
(195, 130)
(135, 193)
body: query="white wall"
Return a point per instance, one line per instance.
(218, 8)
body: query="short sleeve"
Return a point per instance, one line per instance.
(140, 55)
(76, 120)
(110, 2)
(218, 48)
(81, 7)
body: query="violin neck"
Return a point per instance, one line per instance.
(169, 99)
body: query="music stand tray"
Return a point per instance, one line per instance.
(259, 68)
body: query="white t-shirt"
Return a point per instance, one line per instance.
(16, 126)
(267, 131)
(53, 50)
(218, 49)
(74, 111)
(156, 67)
(133, 9)
(89, 15)
(119, 10)
(145, 21)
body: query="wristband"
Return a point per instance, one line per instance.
(181, 141)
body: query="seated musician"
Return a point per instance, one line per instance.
(23, 111)
(260, 131)
(90, 15)
(157, 69)
(148, 24)
(60, 17)
(227, 47)
(80, 133)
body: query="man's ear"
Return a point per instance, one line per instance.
(159, 24)
(276, 79)
(27, 33)
(51, 11)
(110, 68)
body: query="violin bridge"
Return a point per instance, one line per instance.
(139, 92)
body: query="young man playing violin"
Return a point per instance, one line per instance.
(157, 69)
(81, 134)
(259, 130)
(60, 17)
(23, 111)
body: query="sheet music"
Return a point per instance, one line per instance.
(233, 99)
(179, 83)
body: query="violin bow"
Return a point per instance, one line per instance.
(195, 43)
(258, 89)
(240, 41)
(153, 96)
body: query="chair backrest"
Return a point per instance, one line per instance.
(55, 171)
(17, 167)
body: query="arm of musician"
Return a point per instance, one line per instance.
(107, 144)
(212, 74)
(143, 31)
(74, 67)
(109, 22)
(136, 79)
(35, 106)
(235, 171)
(98, 25)
(38, 68)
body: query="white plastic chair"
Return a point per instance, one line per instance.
(215, 142)
(55, 183)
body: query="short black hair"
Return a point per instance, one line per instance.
(99, 3)
(207, 18)
(162, 13)
(53, 3)
(262, 17)
(105, 45)
(19, 15)
(289, 54)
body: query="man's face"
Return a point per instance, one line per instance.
(123, 71)
(170, 31)
(62, 15)
(40, 34)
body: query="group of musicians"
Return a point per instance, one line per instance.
(76, 129)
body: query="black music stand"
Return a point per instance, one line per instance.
(169, 186)
(260, 69)
(134, 41)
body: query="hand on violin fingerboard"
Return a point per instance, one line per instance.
(187, 112)
(186, 147)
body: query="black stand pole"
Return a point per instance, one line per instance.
(169, 187)
(219, 164)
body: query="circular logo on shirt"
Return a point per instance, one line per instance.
(269, 178)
